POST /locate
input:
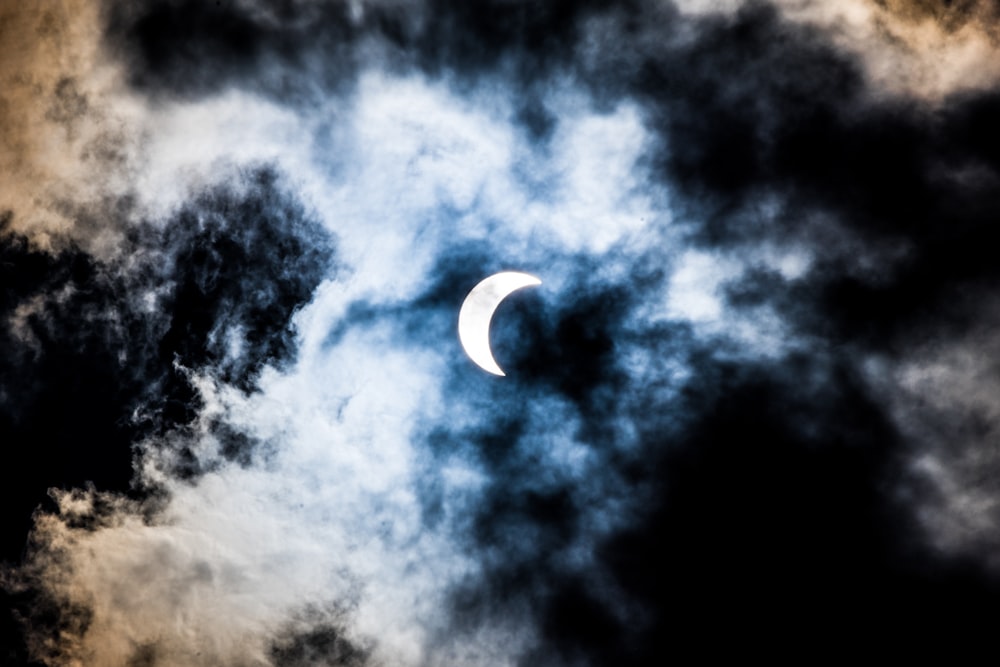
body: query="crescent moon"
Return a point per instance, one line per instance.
(477, 312)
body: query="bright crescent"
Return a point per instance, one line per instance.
(477, 312)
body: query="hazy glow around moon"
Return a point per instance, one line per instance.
(477, 313)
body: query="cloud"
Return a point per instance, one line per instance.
(100, 342)
(303, 438)
(730, 407)
(65, 139)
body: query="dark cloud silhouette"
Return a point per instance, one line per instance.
(190, 48)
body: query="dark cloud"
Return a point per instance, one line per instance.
(68, 103)
(191, 49)
(757, 112)
(321, 645)
(215, 286)
(767, 514)
(531, 39)
(50, 621)
(242, 262)
(144, 656)
(65, 388)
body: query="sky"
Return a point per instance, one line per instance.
(750, 410)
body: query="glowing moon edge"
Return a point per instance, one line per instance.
(476, 315)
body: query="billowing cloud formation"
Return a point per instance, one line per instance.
(751, 400)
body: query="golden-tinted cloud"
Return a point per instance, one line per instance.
(949, 15)
(58, 144)
(927, 49)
